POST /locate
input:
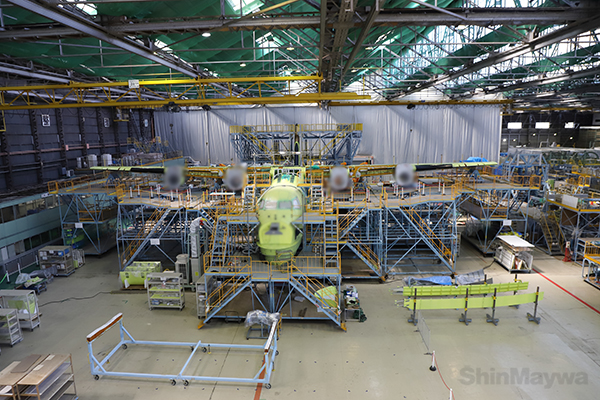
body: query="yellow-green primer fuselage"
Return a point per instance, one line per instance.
(277, 209)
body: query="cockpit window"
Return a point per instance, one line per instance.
(285, 205)
(270, 205)
(296, 203)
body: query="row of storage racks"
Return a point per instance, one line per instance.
(20, 310)
(39, 377)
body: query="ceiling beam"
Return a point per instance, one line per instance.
(345, 14)
(536, 44)
(440, 9)
(322, 31)
(375, 10)
(90, 28)
(387, 18)
(547, 81)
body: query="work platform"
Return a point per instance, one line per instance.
(374, 233)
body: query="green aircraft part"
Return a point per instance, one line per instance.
(278, 208)
(425, 291)
(472, 302)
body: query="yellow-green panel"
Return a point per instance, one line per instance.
(473, 302)
(426, 291)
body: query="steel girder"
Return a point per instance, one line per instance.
(391, 18)
(535, 44)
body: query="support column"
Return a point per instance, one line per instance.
(100, 123)
(7, 159)
(61, 136)
(36, 146)
(81, 122)
(115, 127)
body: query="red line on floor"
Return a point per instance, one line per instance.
(565, 290)
(259, 385)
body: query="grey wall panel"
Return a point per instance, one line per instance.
(392, 134)
(21, 147)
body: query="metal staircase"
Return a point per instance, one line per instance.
(430, 237)
(219, 243)
(353, 217)
(308, 287)
(149, 227)
(364, 252)
(552, 235)
(221, 292)
(208, 216)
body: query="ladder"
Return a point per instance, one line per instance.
(219, 249)
(249, 193)
(316, 197)
(331, 243)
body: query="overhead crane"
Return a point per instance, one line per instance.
(173, 92)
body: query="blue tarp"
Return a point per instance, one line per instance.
(475, 159)
(432, 280)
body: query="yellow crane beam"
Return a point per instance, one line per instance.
(182, 92)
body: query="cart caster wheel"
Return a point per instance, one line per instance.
(276, 352)
(124, 347)
(173, 382)
(267, 386)
(186, 383)
(96, 377)
(204, 349)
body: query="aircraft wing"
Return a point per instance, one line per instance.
(140, 169)
(460, 164)
(203, 172)
(377, 170)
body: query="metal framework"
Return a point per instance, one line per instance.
(100, 368)
(88, 211)
(392, 48)
(277, 144)
(171, 93)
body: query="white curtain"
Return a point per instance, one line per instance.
(392, 134)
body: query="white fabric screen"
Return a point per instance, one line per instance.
(392, 134)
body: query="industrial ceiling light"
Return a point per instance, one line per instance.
(542, 125)
(515, 125)
(569, 125)
(206, 34)
(369, 48)
(242, 64)
(354, 70)
(290, 47)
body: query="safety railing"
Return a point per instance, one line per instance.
(222, 292)
(225, 266)
(591, 249)
(97, 181)
(348, 219)
(431, 235)
(364, 250)
(97, 214)
(311, 286)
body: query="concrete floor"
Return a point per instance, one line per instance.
(381, 358)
